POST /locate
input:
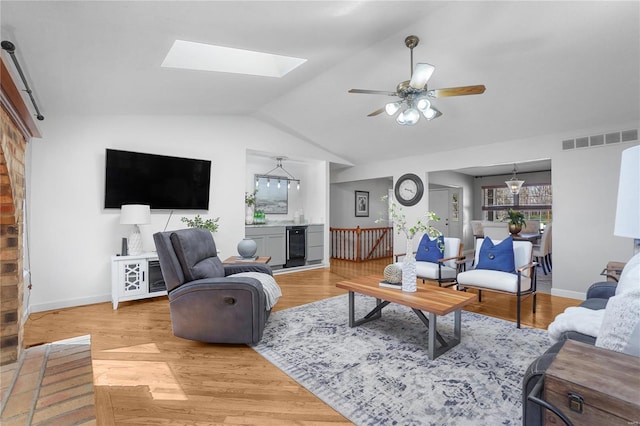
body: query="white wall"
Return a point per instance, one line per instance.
(343, 203)
(73, 237)
(584, 183)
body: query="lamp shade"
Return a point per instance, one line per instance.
(514, 185)
(628, 208)
(135, 214)
(392, 107)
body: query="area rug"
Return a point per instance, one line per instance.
(379, 373)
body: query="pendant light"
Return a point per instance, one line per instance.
(514, 184)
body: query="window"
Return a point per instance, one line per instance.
(534, 201)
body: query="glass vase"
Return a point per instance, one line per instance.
(248, 217)
(409, 269)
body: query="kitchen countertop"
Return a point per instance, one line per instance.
(283, 223)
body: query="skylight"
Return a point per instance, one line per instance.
(208, 57)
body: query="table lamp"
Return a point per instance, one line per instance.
(628, 208)
(135, 214)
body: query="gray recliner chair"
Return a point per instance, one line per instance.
(207, 304)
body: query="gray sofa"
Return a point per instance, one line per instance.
(532, 413)
(206, 303)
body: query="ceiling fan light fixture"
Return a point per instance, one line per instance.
(415, 95)
(431, 113)
(423, 104)
(392, 107)
(408, 117)
(421, 75)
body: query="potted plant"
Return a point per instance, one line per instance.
(198, 222)
(516, 221)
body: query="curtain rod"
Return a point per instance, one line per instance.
(11, 48)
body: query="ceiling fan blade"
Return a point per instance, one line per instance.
(457, 91)
(373, 92)
(376, 112)
(421, 74)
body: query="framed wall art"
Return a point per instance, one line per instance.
(272, 198)
(362, 203)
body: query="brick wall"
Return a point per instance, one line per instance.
(12, 192)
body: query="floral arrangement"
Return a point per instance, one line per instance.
(198, 222)
(402, 227)
(250, 199)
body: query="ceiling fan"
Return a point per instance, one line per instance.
(414, 94)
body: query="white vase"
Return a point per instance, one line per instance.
(248, 216)
(409, 269)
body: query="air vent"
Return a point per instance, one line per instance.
(612, 137)
(596, 140)
(629, 135)
(600, 140)
(582, 142)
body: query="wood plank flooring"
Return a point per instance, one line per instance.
(145, 375)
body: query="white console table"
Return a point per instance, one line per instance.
(130, 278)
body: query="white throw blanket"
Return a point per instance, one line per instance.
(583, 320)
(271, 288)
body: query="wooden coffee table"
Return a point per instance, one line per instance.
(435, 301)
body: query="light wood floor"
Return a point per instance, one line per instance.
(145, 375)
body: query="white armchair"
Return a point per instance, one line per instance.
(491, 266)
(447, 265)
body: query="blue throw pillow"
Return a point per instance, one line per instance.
(430, 250)
(497, 257)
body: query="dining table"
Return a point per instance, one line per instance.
(534, 237)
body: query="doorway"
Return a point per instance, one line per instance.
(446, 203)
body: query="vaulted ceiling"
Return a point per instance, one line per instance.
(549, 67)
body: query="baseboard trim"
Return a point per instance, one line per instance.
(298, 269)
(70, 303)
(568, 293)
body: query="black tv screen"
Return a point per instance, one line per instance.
(157, 180)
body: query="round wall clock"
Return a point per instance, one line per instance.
(409, 189)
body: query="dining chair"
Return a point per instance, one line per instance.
(542, 251)
(531, 227)
(496, 230)
(476, 228)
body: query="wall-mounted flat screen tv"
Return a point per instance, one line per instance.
(157, 180)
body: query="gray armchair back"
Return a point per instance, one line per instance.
(207, 304)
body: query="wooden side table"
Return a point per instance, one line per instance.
(593, 386)
(238, 259)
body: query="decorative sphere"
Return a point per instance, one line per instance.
(247, 248)
(393, 273)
